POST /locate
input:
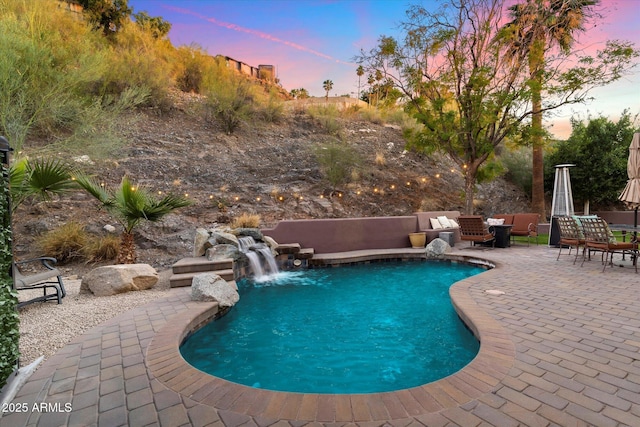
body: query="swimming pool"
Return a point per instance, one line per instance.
(360, 329)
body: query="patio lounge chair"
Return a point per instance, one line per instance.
(598, 237)
(474, 230)
(570, 235)
(525, 224)
(48, 278)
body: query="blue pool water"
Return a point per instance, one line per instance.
(360, 329)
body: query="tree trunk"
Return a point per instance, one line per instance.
(127, 254)
(469, 190)
(536, 65)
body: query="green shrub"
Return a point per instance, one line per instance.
(230, 105)
(192, 65)
(65, 243)
(338, 161)
(327, 116)
(139, 60)
(9, 320)
(47, 61)
(518, 165)
(271, 109)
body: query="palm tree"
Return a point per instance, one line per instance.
(327, 85)
(359, 73)
(130, 205)
(41, 178)
(538, 26)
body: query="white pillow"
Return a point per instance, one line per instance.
(444, 221)
(435, 224)
(453, 223)
(495, 221)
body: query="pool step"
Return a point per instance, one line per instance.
(185, 269)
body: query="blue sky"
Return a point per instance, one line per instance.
(312, 41)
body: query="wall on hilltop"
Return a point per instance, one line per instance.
(340, 102)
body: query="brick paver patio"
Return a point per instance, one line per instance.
(561, 347)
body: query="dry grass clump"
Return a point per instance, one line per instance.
(246, 220)
(65, 243)
(380, 159)
(103, 248)
(71, 242)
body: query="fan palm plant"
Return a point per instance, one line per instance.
(130, 205)
(41, 178)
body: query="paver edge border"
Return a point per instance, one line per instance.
(495, 358)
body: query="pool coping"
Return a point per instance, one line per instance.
(495, 358)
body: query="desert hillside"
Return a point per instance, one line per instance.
(268, 169)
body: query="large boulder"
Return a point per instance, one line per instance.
(224, 238)
(223, 251)
(116, 279)
(211, 287)
(251, 232)
(437, 248)
(201, 242)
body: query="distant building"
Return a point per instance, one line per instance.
(70, 5)
(262, 72)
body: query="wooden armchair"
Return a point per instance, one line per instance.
(48, 278)
(570, 235)
(474, 230)
(599, 238)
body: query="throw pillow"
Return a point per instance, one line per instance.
(453, 223)
(435, 224)
(444, 221)
(495, 221)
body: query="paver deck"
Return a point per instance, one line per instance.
(561, 347)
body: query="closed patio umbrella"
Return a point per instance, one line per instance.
(631, 193)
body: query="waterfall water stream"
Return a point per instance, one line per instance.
(261, 260)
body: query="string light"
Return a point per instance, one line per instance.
(236, 198)
(408, 184)
(186, 194)
(393, 187)
(424, 179)
(437, 175)
(258, 199)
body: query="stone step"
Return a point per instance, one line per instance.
(306, 253)
(185, 279)
(200, 264)
(288, 248)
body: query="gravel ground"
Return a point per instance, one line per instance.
(47, 327)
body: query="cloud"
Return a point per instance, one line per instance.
(256, 33)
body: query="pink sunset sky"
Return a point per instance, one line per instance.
(311, 41)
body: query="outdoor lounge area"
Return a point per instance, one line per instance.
(559, 346)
